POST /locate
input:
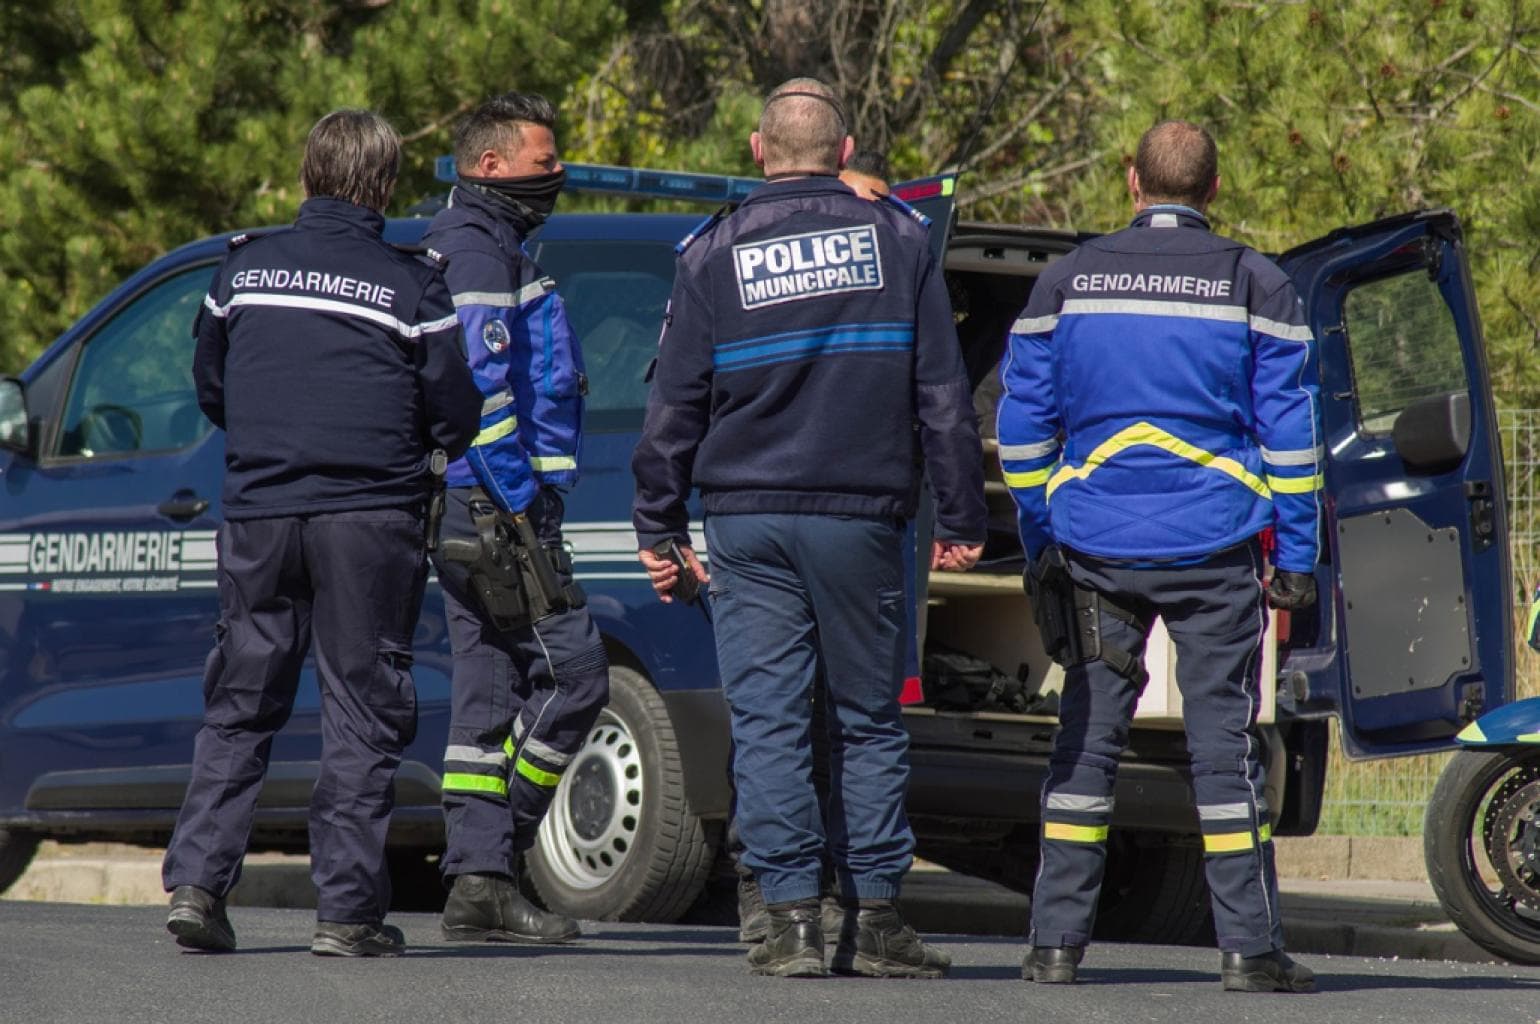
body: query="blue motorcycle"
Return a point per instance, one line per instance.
(1481, 835)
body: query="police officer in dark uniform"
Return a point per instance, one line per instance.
(332, 361)
(525, 698)
(1159, 414)
(808, 358)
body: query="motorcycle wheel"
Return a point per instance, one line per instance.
(1481, 841)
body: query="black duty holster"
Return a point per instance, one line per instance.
(516, 579)
(1068, 618)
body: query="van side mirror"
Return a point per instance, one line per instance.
(15, 426)
(1432, 434)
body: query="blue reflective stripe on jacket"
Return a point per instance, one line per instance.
(808, 357)
(525, 357)
(1178, 371)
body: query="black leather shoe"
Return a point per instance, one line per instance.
(1052, 965)
(1273, 971)
(489, 908)
(793, 946)
(336, 938)
(876, 942)
(753, 919)
(198, 920)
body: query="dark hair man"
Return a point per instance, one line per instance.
(332, 362)
(807, 335)
(1159, 414)
(867, 174)
(524, 699)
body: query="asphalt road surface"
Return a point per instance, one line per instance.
(75, 963)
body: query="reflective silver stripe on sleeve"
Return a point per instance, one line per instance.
(550, 755)
(442, 324)
(501, 400)
(1029, 451)
(1231, 812)
(214, 307)
(1076, 802)
(1155, 307)
(1278, 329)
(1035, 324)
(1294, 457)
(503, 300)
(474, 755)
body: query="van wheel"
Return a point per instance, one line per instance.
(1154, 891)
(620, 842)
(16, 850)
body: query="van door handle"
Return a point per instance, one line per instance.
(183, 505)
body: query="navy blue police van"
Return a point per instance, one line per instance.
(111, 482)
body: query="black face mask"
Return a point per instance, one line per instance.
(528, 199)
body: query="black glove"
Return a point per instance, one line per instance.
(1291, 590)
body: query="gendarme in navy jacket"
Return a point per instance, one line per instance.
(808, 357)
(332, 361)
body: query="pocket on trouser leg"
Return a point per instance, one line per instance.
(392, 694)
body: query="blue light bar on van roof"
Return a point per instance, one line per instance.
(639, 181)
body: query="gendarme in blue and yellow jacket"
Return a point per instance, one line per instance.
(1160, 399)
(523, 354)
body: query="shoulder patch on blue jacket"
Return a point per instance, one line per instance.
(700, 229)
(909, 211)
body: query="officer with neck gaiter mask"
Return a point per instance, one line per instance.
(523, 699)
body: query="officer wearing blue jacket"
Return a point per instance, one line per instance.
(1159, 414)
(332, 362)
(523, 701)
(808, 359)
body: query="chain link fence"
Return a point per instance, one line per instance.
(1387, 798)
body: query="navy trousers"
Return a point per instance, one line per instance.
(523, 704)
(793, 595)
(352, 582)
(1215, 613)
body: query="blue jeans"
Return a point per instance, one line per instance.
(793, 594)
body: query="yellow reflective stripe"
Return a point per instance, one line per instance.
(1265, 833)
(948, 186)
(1295, 484)
(538, 776)
(551, 463)
(1534, 613)
(1034, 478)
(462, 782)
(1228, 842)
(1074, 833)
(1149, 434)
(497, 431)
(1472, 734)
(508, 746)
(1529, 737)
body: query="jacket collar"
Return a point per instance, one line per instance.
(1170, 216)
(811, 185)
(472, 201)
(323, 211)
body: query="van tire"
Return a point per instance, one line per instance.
(1154, 890)
(16, 852)
(621, 842)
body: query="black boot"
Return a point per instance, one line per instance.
(489, 908)
(876, 942)
(338, 938)
(1273, 971)
(198, 920)
(753, 919)
(1052, 965)
(793, 945)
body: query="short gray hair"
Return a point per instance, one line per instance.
(353, 155)
(802, 127)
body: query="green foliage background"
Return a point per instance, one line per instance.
(132, 127)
